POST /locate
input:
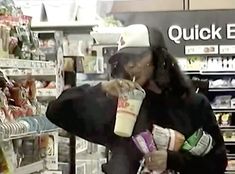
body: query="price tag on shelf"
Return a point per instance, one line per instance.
(227, 49)
(201, 49)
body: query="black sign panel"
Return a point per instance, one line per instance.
(180, 28)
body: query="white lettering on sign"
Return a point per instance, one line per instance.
(204, 34)
(176, 33)
(175, 38)
(230, 31)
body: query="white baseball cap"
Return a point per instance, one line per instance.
(136, 38)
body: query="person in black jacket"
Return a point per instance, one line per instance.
(89, 111)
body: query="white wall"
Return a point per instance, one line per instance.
(211, 4)
(147, 5)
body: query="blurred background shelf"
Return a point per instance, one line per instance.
(225, 89)
(29, 64)
(31, 168)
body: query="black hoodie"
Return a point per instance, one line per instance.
(90, 114)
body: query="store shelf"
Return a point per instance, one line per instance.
(192, 72)
(217, 72)
(31, 168)
(62, 24)
(46, 93)
(232, 110)
(69, 27)
(222, 89)
(206, 72)
(31, 74)
(227, 127)
(230, 172)
(27, 64)
(231, 156)
(26, 135)
(227, 143)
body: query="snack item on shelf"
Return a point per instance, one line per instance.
(233, 103)
(51, 85)
(220, 64)
(5, 107)
(2, 116)
(223, 101)
(220, 83)
(233, 80)
(30, 86)
(89, 64)
(7, 158)
(218, 118)
(229, 136)
(39, 84)
(231, 165)
(69, 65)
(43, 143)
(226, 119)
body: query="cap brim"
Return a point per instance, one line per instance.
(135, 51)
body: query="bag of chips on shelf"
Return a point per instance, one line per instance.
(7, 158)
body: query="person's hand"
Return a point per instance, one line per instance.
(156, 161)
(179, 140)
(117, 86)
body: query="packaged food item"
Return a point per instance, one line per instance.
(199, 144)
(218, 117)
(226, 119)
(167, 138)
(231, 165)
(144, 141)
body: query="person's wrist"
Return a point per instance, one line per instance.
(103, 86)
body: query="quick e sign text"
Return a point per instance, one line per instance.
(177, 33)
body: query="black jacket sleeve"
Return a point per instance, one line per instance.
(86, 112)
(214, 162)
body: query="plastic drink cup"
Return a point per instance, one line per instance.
(128, 108)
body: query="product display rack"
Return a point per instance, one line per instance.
(224, 114)
(79, 31)
(5, 65)
(29, 67)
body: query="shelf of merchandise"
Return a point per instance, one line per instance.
(230, 157)
(62, 24)
(66, 27)
(46, 92)
(225, 89)
(229, 110)
(207, 72)
(26, 135)
(229, 143)
(227, 127)
(31, 168)
(230, 172)
(27, 64)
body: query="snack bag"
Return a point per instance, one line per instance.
(167, 139)
(199, 144)
(145, 143)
